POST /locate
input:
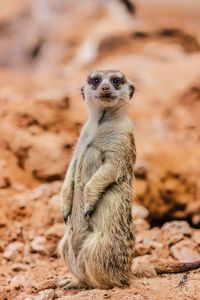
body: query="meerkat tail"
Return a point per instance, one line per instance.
(177, 267)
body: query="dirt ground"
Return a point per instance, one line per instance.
(47, 48)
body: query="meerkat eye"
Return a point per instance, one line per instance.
(95, 80)
(116, 80)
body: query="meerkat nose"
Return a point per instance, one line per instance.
(105, 87)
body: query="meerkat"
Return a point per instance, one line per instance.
(98, 188)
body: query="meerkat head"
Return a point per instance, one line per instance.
(107, 88)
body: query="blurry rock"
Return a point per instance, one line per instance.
(38, 192)
(56, 230)
(141, 171)
(20, 281)
(185, 251)
(171, 188)
(46, 285)
(4, 183)
(196, 220)
(175, 227)
(55, 201)
(45, 295)
(142, 249)
(14, 251)
(55, 208)
(141, 188)
(46, 189)
(152, 244)
(2, 219)
(141, 267)
(175, 231)
(175, 238)
(28, 258)
(167, 52)
(39, 244)
(139, 211)
(196, 236)
(19, 267)
(141, 225)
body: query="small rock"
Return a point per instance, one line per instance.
(19, 267)
(177, 227)
(39, 192)
(141, 189)
(196, 236)
(45, 295)
(175, 231)
(3, 220)
(56, 230)
(152, 244)
(175, 239)
(20, 281)
(106, 295)
(14, 251)
(47, 284)
(142, 249)
(141, 267)
(39, 244)
(196, 219)
(185, 251)
(141, 225)
(140, 212)
(141, 172)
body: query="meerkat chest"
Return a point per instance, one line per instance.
(87, 136)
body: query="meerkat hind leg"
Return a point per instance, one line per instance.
(72, 283)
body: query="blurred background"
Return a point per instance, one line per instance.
(47, 48)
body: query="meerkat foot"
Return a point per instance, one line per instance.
(72, 283)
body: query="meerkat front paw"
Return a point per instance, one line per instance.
(67, 199)
(66, 214)
(88, 212)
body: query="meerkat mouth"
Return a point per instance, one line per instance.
(107, 96)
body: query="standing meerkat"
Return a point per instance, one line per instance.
(98, 188)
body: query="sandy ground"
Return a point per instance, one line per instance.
(46, 51)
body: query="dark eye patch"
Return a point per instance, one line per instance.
(116, 81)
(95, 81)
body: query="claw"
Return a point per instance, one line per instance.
(89, 212)
(71, 283)
(66, 216)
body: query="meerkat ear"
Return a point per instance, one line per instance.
(82, 92)
(131, 90)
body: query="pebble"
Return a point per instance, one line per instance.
(14, 251)
(177, 227)
(45, 295)
(140, 212)
(141, 225)
(56, 230)
(19, 267)
(39, 244)
(19, 281)
(196, 237)
(175, 231)
(185, 251)
(141, 249)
